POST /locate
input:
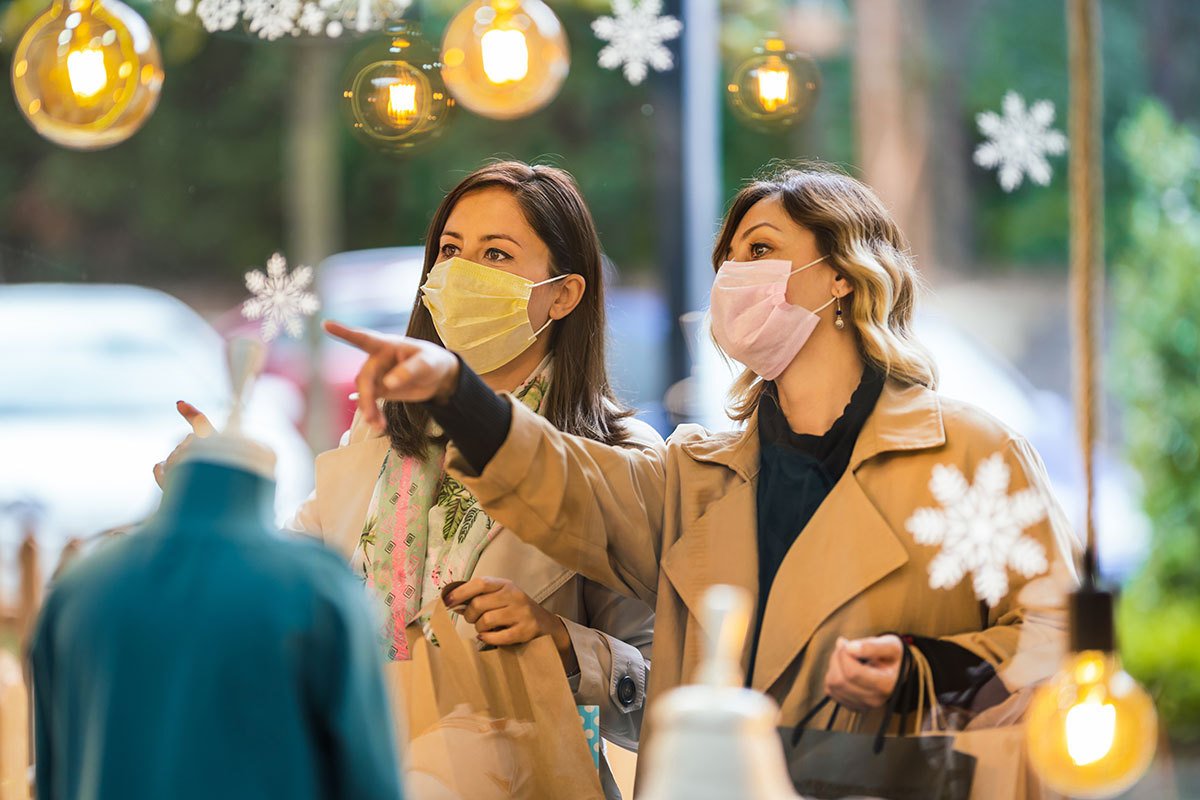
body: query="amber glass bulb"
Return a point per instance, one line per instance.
(505, 58)
(394, 93)
(87, 73)
(1091, 730)
(774, 88)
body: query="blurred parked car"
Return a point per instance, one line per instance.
(91, 374)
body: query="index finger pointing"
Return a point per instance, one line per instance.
(366, 341)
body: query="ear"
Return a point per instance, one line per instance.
(841, 286)
(570, 293)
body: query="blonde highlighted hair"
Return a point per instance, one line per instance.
(865, 246)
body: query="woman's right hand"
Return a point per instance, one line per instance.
(397, 368)
(201, 427)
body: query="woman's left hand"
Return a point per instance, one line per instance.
(862, 673)
(504, 615)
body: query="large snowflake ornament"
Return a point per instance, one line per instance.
(280, 299)
(635, 35)
(980, 528)
(1019, 141)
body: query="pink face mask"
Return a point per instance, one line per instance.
(752, 320)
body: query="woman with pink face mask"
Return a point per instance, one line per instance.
(845, 506)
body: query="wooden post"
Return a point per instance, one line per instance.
(892, 114)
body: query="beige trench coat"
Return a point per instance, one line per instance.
(612, 634)
(663, 523)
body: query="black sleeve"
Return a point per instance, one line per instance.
(475, 418)
(958, 674)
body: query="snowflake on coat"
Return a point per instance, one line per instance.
(280, 300)
(980, 529)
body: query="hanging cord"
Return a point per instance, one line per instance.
(1087, 245)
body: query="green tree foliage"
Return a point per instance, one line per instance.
(1157, 371)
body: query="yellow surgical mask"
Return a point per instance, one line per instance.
(481, 313)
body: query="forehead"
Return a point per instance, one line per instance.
(769, 210)
(493, 208)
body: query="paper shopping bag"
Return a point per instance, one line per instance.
(499, 723)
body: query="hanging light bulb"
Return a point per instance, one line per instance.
(87, 73)
(1091, 730)
(774, 88)
(505, 58)
(394, 93)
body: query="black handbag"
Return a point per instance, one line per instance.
(832, 764)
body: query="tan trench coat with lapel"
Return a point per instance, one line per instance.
(662, 523)
(612, 634)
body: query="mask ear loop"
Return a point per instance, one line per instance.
(542, 329)
(806, 266)
(832, 300)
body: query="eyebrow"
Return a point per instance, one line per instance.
(753, 228)
(491, 237)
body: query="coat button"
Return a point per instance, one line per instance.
(626, 691)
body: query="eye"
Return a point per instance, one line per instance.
(495, 254)
(759, 249)
(449, 250)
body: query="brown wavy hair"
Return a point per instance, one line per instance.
(862, 242)
(580, 399)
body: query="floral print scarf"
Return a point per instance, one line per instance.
(424, 530)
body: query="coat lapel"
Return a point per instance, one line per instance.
(720, 546)
(847, 545)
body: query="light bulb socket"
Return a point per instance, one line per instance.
(1091, 614)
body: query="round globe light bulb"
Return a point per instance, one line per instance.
(505, 58)
(394, 93)
(774, 88)
(1091, 730)
(87, 74)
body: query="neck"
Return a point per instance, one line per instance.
(204, 496)
(816, 387)
(510, 377)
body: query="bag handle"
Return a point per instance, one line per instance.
(927, 692)
(890, 707)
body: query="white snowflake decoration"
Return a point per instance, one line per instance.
(635, 35)
(218, 15)
(280, 299)
(980, 529)
(1019, 141)
(274, 19)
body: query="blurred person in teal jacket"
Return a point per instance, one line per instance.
(207, 656)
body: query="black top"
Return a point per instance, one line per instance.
(796, 473)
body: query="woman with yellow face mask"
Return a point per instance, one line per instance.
(513, 284)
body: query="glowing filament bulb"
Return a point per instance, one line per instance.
(402, 102)
(773, 88)
(86, 72)
(505, 55)
(1091, 728)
